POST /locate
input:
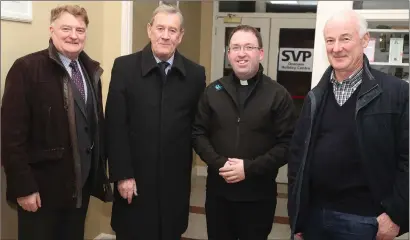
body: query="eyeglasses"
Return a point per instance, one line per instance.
(245, 48)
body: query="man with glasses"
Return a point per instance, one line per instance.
(242, 132)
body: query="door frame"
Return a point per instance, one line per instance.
(306, 23)
(126, 27)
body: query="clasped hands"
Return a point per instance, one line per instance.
(233, 170)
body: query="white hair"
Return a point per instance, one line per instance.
(167, 8)
(351, 14)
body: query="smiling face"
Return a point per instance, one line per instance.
(344, 45)
(244, 54)
(68, 34)
(165, 34)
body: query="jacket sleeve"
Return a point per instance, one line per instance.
(296, 154)
(297, 144)
(200, 135)
(202, 84)
(117, 127)
(397, 205)
(15, 132)
(284, 120)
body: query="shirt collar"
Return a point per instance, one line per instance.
(352, 79)
(66, 61)
(170, 60)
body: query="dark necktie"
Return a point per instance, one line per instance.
(77, 78)
(162, 66)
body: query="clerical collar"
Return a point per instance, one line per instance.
(245, 82)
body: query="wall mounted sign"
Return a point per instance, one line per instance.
(295, 59)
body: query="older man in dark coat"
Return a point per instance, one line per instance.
(151, 105)
(51, 133)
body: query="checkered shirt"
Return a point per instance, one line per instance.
(343, 90)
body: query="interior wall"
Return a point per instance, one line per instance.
(190, 45)
(142, 13)
(205, 47)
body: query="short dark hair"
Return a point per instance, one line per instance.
(247, 28)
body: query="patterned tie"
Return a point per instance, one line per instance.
(163, 66)
(77, 78)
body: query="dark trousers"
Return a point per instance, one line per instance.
(232, 220)
(327, 224)
(52, 224)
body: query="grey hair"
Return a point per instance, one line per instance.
(349, 14)
(167, 8)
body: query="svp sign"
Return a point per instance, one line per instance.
(295, 59)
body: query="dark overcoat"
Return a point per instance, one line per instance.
(41, 150)
(149, 125)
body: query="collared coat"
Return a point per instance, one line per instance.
(40, 150)
(382, 122)
(149, 126)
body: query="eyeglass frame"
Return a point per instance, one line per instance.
(246, 48)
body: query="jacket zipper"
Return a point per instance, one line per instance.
(238, 121)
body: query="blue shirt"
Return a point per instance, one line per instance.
(170, 61)
(66, 62)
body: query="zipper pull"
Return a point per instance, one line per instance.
(239, 119)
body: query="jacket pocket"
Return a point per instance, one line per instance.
(46, 155)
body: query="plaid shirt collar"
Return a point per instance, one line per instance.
(345, 89)
(351, 81)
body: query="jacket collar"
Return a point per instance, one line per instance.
(229, 79)
(92, 67)
(368, 80)
(230, 86)
(149, 63)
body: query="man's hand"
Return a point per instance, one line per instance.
(31, 202)
(233, 170)
(388, 230)
(298, 236)
(127, 189)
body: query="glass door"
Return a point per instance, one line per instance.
(291, 61)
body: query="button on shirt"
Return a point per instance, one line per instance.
(66, 62)
(344, 90)
(170, 61)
